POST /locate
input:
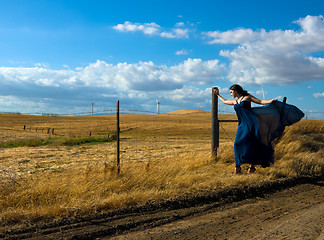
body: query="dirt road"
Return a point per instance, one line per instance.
(295, 213)
(285, 210)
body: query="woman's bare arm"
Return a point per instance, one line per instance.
(262, 102)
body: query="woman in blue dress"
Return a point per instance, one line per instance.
(258, 127)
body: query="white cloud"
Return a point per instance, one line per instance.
(180, 24)
(319, 95)
(167, 35)
(46, 82)
(182, 52)
(146, 28)
(309, 39)
(12, 103)
(181, 33)
(153, 29)
(33, 76)
(233, 37)
(108, 78)
(276, 57)
(197, 71)
(188, 94)
(176, 33)
(70, 90)
(223, 90)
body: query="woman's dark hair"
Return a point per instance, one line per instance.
(239, 89)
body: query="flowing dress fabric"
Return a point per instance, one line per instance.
(258, 128)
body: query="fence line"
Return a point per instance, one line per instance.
(143, 139)
(113, 111)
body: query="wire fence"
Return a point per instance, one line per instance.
(34, 144)
(52, 142)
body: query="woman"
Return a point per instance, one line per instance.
(258, 127)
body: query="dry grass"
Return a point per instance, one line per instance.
(162, 156)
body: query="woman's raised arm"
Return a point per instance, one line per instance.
(262, 102)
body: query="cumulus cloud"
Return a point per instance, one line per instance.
(180, 33)
(146, 28)
(233, 36)
(275, 57)
(139, 80)
(188, 93)
(196, 71)
(146, 76)
(154, 29)
(10, 103)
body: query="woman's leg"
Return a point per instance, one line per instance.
(237, 170)
(251, 169)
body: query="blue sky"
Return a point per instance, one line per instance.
(58, 56)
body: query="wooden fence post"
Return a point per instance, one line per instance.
(118, 129)
(215, 124)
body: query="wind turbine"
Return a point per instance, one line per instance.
(158, 106)
(92, 104)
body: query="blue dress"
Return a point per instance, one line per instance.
(258, 128)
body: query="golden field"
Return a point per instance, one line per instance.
(50, 174)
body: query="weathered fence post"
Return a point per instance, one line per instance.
(118, 129)
(284, 100)
(215, 124)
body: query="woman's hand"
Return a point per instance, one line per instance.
(228, 102)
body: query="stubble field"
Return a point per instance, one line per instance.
(47, 174)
